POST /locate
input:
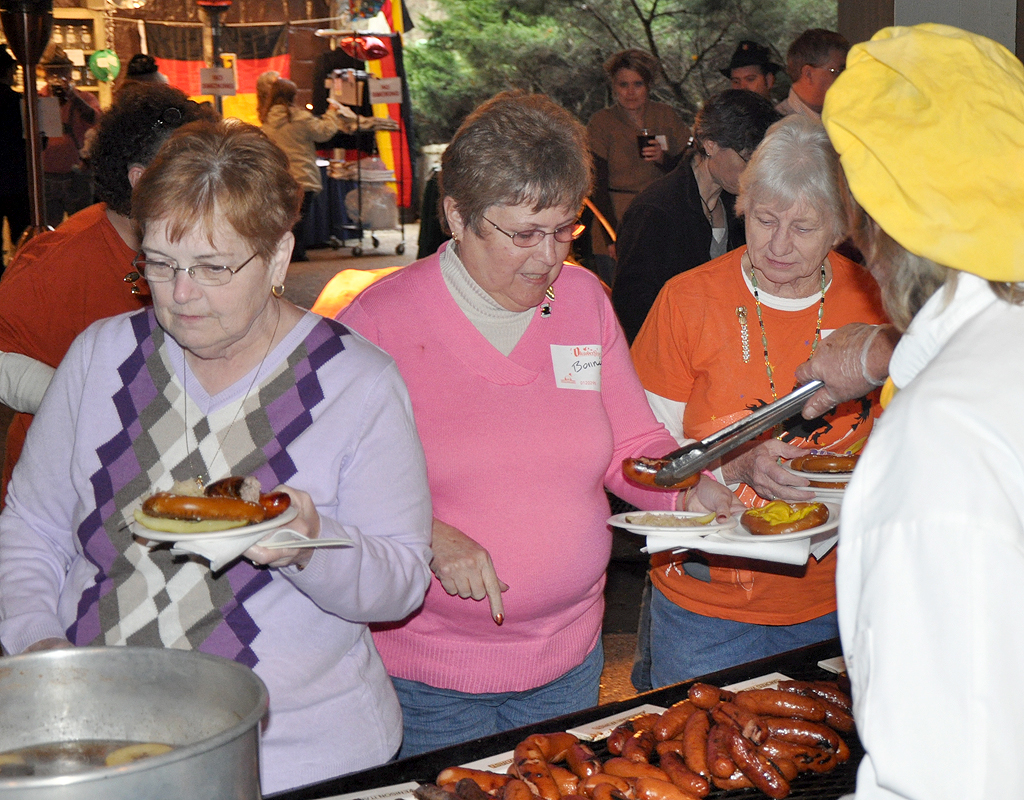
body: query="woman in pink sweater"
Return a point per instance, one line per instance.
(526, 402)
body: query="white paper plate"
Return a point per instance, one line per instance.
(621, 521)
(741, 534)
(827, 495)
(279, 521)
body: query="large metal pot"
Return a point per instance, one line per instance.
(209, 708)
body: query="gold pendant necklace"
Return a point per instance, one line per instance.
(220, 446)
(764, 337)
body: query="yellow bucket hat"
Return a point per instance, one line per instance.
(928, 122)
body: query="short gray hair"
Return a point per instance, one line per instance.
(795, 161)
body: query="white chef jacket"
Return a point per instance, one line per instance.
(930, 576)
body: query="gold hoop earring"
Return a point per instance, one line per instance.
(278, 290)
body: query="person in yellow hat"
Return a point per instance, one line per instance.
(929, 124)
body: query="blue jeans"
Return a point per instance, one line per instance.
(434, 718)
(686, 645)
(640, 677)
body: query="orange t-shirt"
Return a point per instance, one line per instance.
(57, 285)
(694, 349)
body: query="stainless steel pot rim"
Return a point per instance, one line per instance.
(180, 753)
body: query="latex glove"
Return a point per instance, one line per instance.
(465, 569)
(710, 495)
(23, 381)
(851, 361)
(759, 468)
(306, 523)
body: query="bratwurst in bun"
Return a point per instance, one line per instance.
(228, 503)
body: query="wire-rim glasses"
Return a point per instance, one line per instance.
(161, 271)
(564, 234)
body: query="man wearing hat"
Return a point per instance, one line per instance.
(751, 68)
(143, 69)
(813, 62)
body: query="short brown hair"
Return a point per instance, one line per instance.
(640, 61)
(282, 93)
(813, 47)
(212, 169)
(516, 148)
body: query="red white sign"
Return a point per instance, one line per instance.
(385, 90)
(217, 81)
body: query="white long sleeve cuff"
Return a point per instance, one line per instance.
(23, 381)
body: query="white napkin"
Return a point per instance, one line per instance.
(791, 552)
(221, 552)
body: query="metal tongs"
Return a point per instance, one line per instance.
(692, 458)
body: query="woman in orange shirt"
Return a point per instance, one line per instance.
(723, 340)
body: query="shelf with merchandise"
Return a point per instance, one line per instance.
(80, 32)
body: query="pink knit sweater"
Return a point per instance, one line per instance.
(519, 464)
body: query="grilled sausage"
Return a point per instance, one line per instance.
(757, 767)
(775, 703)
(682, 776)
(720, 762)
(673, 719)
(488, 781)
(749, 724)
(625, 768)
(639, 746)
(706, 696)
(582, 761)
(695, 743)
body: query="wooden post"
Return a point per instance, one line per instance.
(860, 19)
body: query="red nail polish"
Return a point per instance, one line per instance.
(499, 618)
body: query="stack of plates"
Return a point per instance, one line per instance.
(840, 479)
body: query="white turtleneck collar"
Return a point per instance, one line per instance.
(501, 327)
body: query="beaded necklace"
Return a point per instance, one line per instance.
(764, 337)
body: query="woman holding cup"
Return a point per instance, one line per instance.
(636, 140)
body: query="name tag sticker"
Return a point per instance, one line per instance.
(577, 366)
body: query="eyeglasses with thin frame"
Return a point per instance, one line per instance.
(157, 271)
(564, 234)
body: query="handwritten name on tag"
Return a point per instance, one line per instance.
(577, 366)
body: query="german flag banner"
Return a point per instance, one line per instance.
(178, 50)
(393, 146)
